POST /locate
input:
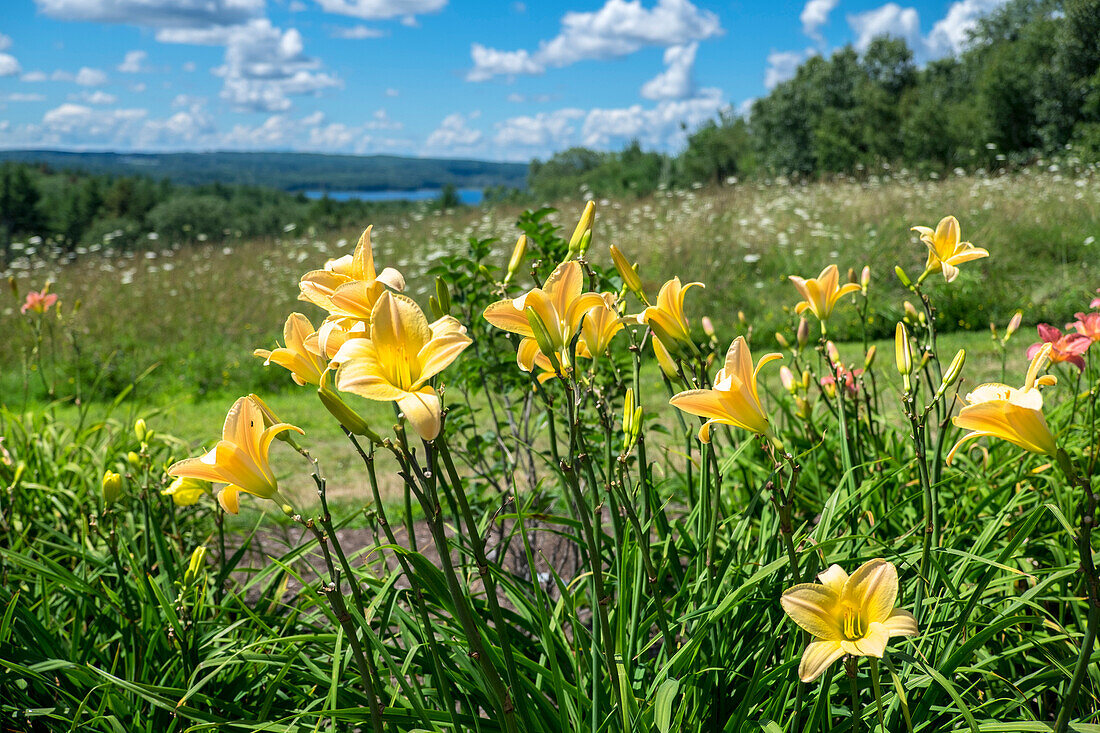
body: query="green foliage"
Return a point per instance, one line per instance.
(578, 171)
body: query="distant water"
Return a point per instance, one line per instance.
(471, 196)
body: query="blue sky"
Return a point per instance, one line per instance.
(501, 80)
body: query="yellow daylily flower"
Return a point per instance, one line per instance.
(349, 285)
(821, 293)
(1015, 415)
(852, 615)
(187, 491)
(600, 325)
(734, 399)
(398, 354)
(559, 304)
(667, 319)
(305, 365)
(945, 251)
(240, 459)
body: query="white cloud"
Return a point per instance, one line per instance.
(814, 15)
(22, 97)
(782, 65)
(517, 98)
(97, 97)
(453, 134)
(263, 64)
(91, 125)
(357, 33)
(391, 92)
(619, 28)
(155, 13)
(544, 131)
(189, 66)
(889, 19)
(378, 9)
(88, 77)
(9, 65)
(133, 63)
(949, 35)
(5, 42)
(137, 88)
(381, 120)
(62, 75)
(34, 76)
(676, 81)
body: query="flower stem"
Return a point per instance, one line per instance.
(853, 687)
(878, 694)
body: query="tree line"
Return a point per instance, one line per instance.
(1026, 85)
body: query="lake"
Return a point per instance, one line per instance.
(471, 196)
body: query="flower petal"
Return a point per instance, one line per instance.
(816, 659)
(423, 410)
(813, 607)
(901, 623)
(873, 587)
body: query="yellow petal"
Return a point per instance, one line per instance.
(817, 658)
(701, 402)
(813, 607)
(564, 285)
(423, 411)
(438, 353)
(901, 623)
(391, 278)
(871, 645)
(196, 468)
(873, 587)
(398, 323)
(230, 499)
(834, 579)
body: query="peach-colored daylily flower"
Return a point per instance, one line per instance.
(349, 286)
(240, 459)
(560, 305)
(1064, 347)
(734, 399)
(820, 294)
(945, 251)
(852, 615)
(1016, 415)
(1087, 324)
(39, 302)
(667, 319)
(304, 364)
(399, 353)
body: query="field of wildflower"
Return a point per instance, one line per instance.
(776, 457)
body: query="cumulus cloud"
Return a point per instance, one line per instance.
(264, 65)
(676, 81)
(22, 97)
(950, 35)
(357, 33)
(97, 97)
(133, 63)
(814, 15)
(454, 134)
(379, 9)
(88, 77)
(155, 13)
(538, 132)
(619, 28)
(9, 65)
(91, 125)
(889, 19)
(782, 66)
(391, 92)
(34, 76)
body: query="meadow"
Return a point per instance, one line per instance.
(562, 546)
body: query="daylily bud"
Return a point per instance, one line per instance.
(632, 420)
(803, 408)
(133, 459)
(786, 378)
(140, 430)
(433, 306)
(112, 486)
(443, 295)
(582, 235)
(485, 272)
(828, 386)
(852, 276)
(903, 351)
(903, 277)
(869, 359)
(910, 311)
(806, 377)
(14, 286)
(518, 253)
(708, 326)
(993, 330)
(924, 359)
(348, 418)
(803, 334)
(953, 371)
(864, 279)
(627, 272)
(833, 352)
(196, 563)
(543, 339)
(1013, 324)
(782, 340)
(270, 418)
(741, 318)
(186, 491)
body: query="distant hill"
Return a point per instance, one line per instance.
(288, 171)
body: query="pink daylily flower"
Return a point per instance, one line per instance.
(1087, 324)
(39, 302)
(1068, 347)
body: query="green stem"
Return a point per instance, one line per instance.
(878, 694)
(853, 687)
